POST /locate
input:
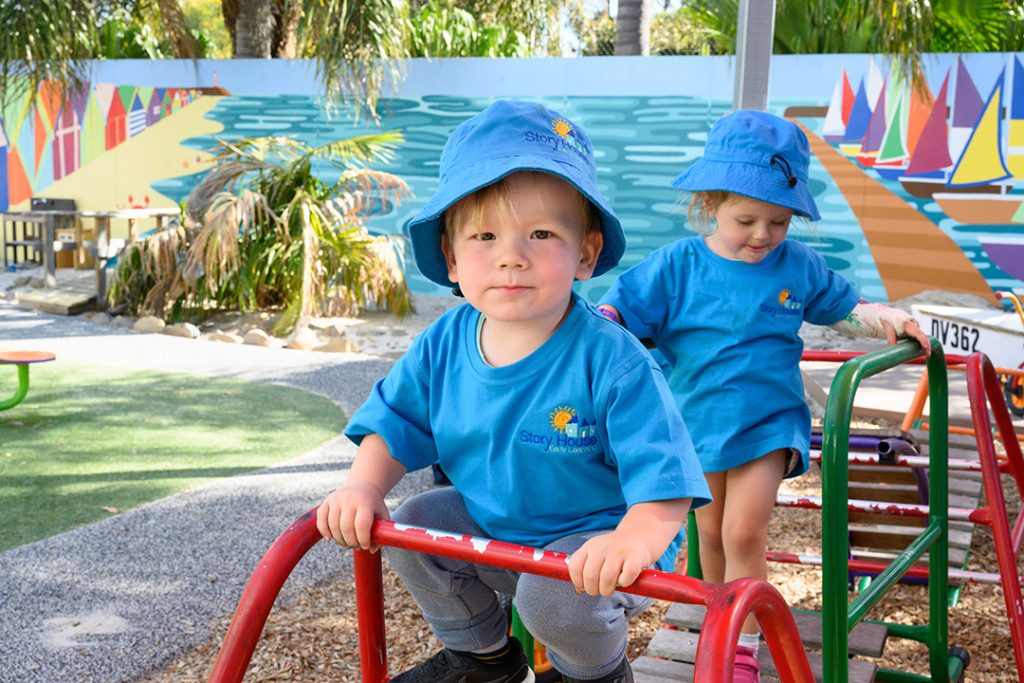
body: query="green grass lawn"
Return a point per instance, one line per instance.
(89, 441)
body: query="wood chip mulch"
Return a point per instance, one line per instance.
(313, 638)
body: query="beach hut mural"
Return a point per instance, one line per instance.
(4, 205)
(154, 109)
(166, 102)
(93, 130)
(136, 115)
(117, 123)
(67, 136)
(44, 121)
(66, 143)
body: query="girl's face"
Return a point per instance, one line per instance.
(517, 263)
(748, 229)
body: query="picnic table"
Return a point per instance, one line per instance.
(102, 248)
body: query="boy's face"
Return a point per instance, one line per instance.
(518, 264)
(748, 229)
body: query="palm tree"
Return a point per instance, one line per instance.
(263, 230)
(633, 27)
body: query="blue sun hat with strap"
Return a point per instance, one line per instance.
(507, 137)
(757, 155)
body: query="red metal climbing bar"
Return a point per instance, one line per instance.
(728, 604)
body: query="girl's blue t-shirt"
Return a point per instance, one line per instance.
(730, 333)
(561, 442)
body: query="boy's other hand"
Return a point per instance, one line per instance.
(607, 562)
(347, 515)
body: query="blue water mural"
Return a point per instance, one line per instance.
(641, 144)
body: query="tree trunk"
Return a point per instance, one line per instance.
(633, 28)
(255, 28)
(285, 39)
(229, 10)
(185, 46)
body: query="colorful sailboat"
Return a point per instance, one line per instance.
(875, 133)
(893, 150)
(857, 126)
(838, 110)
(1015, 124)
(929, 168)
(981, 165)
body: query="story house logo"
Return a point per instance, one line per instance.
(785, 305)
(571, 433)
(563, 140)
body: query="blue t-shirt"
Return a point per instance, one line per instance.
(558, 443)
(729, 331)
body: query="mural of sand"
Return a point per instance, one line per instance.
(123, 177)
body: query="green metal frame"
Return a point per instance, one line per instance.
(839, 616)
(22, 390)
(837, 622)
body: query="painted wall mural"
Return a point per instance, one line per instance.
(919, 188)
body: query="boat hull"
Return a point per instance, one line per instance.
(979, 208)
(925, 188)
(1007, 253)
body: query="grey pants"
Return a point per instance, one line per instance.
(585, 635)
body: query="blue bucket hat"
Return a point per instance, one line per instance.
(757, 155)
(502, 139)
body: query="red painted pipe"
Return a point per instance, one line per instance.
(728, 607)
(982, 383)
(732, 602)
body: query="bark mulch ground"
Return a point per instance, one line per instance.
(314, 637)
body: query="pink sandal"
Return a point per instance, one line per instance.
(745, 667)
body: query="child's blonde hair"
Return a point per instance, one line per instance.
(471, 207)
(703, 204)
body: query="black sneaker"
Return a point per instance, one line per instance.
(623, 673)
(452, 666)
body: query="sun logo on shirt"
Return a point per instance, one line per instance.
(561, 126)
(560, 417)
(783, 295)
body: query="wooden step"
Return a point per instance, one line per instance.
(957, 556)
(865, 639)
(893, 537)
(679, 650)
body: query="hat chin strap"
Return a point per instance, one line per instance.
(785, 168)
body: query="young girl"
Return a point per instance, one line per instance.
(725, 308)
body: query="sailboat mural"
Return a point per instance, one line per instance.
(839, 110)
(875, 133)
(871, 88)
(983, 164)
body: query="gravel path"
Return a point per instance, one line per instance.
(115, 600)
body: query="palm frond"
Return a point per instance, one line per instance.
(358, 46)
(365, 148)
(45, 42)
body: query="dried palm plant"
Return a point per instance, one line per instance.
(268, 232)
